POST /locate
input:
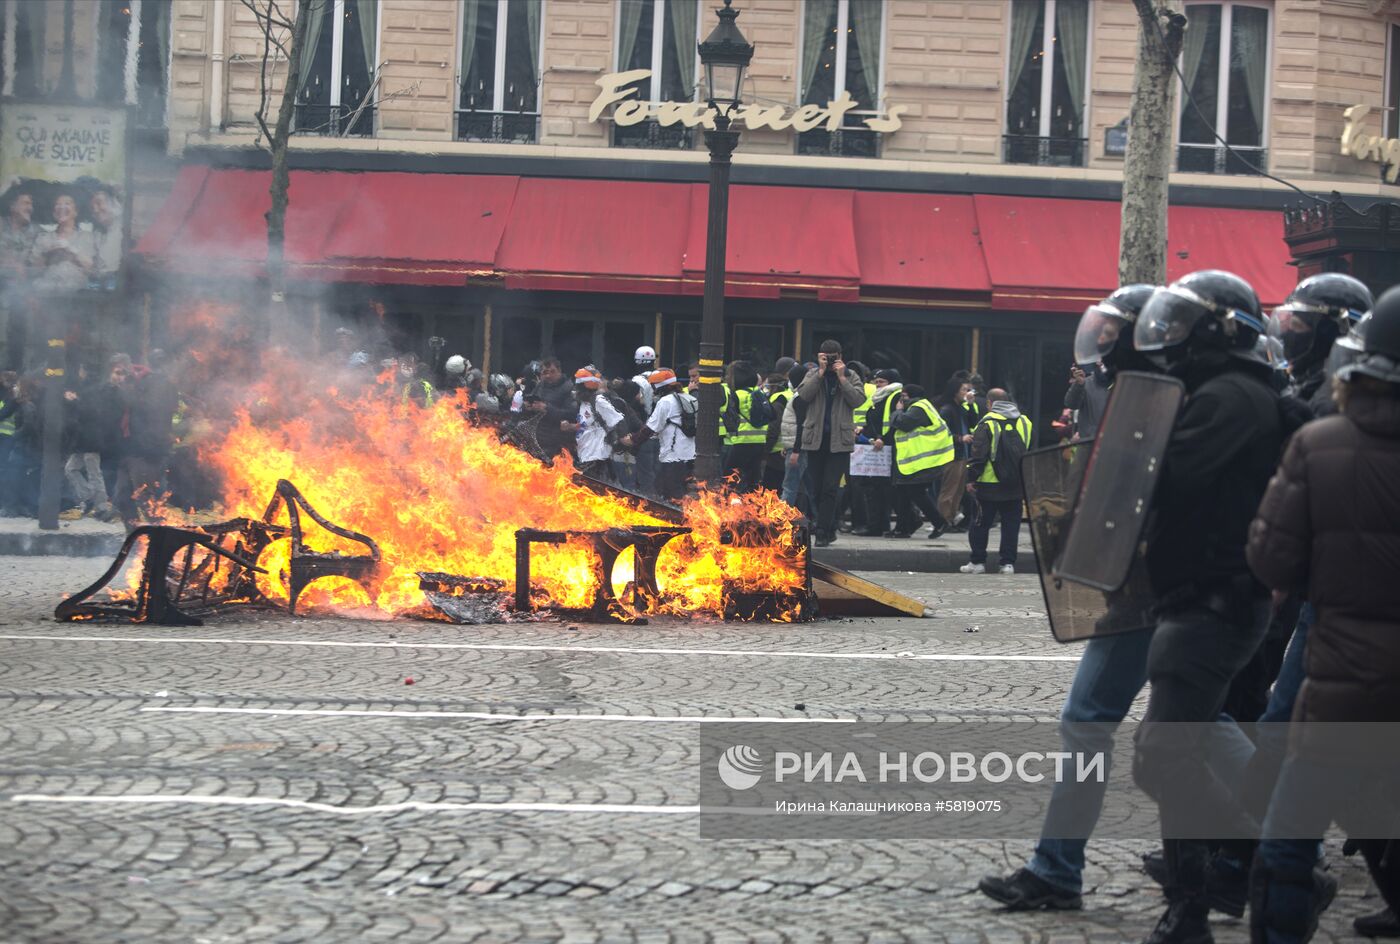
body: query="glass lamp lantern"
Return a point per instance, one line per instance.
(725, 54)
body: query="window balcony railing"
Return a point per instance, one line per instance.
(1217, 159)
(843, 142)
(649, 134)
(1043, 151)
(500, 127)
(334, 120)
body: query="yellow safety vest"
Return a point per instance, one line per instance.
(924, 447)
(723, 405)
(747, 434)
(780, 402)
(7, 428)
(862, 410)
(428, 395)
(1023, 429)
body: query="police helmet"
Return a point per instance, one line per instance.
(1210, 309)
(1104, 323)
(1380, 354)
(1316, 314)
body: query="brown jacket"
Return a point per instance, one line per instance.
(1329, 525)
(843, 424)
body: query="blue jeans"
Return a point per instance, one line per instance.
(1271, 735)
(1110, 675)
(793, 478)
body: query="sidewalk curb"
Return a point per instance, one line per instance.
(922, 560)
(58, 544)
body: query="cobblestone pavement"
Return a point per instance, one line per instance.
(291, 852)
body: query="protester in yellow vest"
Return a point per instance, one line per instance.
(923, 446)
(994, 475)
(747, 415)
(878, 493)
(779, 393)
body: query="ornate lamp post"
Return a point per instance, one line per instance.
(725, 54)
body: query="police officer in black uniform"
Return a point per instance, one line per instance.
(1320, 310)
(1212, 612)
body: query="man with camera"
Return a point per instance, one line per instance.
(828, 432)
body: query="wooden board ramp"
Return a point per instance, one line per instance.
(842, 593)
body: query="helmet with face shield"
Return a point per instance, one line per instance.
(1210, 309)
(1103, 325)
(1319, 311)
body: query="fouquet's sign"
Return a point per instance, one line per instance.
(630, 110)
(1369, 147)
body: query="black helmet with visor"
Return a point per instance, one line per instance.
(1105, 323)
(1317, 313)
(1211, 308)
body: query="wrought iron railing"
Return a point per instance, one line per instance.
(1218, 159)
(843, 142)
(650, 134)
(1043, 151)
(502, 127)
(334, 120)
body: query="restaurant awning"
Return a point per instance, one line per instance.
(596, 236)
(837, 245)
(791, 242)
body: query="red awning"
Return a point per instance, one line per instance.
(596, 236)
(919, 242)
(782, 241)
(422, 229)
(1061, 255)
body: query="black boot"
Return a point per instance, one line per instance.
(1287, 909)
(1381, 924)
(1185, 922)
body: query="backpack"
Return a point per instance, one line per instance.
(1010, 449)
(760, 410)
(688, 424)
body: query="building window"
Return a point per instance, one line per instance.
(841, 41)
(1225, 60)
(659, 35)
(1047, 67)
(498, 87)
(22, 60)
(133, 56)
(1392, 85)
(337, 75)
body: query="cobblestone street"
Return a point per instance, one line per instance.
(277, 779)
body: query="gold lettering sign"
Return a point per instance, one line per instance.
(1369, 147)
(630, 110)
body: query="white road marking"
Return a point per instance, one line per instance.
(160, 799)
(506, 647)
(489, 716)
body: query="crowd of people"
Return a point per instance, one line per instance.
(1270, 553)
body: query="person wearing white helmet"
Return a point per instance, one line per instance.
(648, 456)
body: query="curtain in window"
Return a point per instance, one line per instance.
(469, 18)
(315, 21)
(532, 18)
(1023, 16)
(1251, 39)
(815, 15)
(865, 18)
(683, 15)
(368, 14)
(1194, 43)
(1072, 29)
(36, 15)
(627, 32)
(162, 27)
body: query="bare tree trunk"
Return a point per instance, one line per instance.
(1142, 251)
(281, 179)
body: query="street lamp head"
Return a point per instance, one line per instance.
(725, 54)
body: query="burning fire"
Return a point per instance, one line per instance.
(439, 494)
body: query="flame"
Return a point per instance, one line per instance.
(440, 494)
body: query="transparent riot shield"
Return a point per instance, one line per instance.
(1115, 496)
(1051, 479)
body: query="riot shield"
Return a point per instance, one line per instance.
(1115, 497)
(1050, 480)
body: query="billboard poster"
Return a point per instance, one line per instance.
(63, 180)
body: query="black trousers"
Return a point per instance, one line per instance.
(747, 460)
(670, 479)
(876, 494)
(824, 472)
(915, 496)
(1195, 654)
(978, 533)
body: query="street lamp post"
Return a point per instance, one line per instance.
(725, 54)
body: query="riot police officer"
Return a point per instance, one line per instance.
(1212, 612)
(1318, 312)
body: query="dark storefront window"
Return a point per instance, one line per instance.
(948, 350)
(1045, 107)
(1231, 103)
(659, 36)
(522, 340)
(685, 346)
(498, 82)
(1035, 370)
(760, 345)
(876, 347)
(620, 342)
(572, 343)
(334, 82)
(841, 52)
